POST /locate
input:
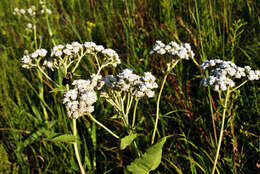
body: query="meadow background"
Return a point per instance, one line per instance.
(29, 113)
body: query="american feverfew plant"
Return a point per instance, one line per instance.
(33, 16)
(176, 52)
(222, 77)
(124, 89)
(79, 98)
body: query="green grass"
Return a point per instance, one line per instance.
(30, 114)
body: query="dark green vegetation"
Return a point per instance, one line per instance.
(29, 113)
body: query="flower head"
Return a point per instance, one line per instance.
(181, 51)
(30, 60)
(81, 97)
(225, 73)
(127, 81)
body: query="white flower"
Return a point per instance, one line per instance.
(30, 11)
(99, 48)
(48, 11)
(26, 59)
(89, 45)
(111, 56)
(149, 93)
(29, 25)
(42, 52)
(48, 63)
(67, 52)
(22, 11)
(34, 54)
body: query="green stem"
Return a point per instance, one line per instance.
(75, 144)
(42, 71)
(212, 116)
(35, 35)
(239, 86)
(158, 108)
(129, 103)
(234, 142)
(134, 114)
(100, 124)
(137, 150)
(41, 95)
(221, 131)
(77, 64)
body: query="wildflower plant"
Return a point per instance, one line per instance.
(125, 88)
(81, 95)
(222, 77)
(122, 91)
(33, 17)
(177, 52)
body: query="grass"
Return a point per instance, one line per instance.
(30, 114)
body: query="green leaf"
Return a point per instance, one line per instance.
(127, 140)
(60, 88)
(149, 161)
(65, 138)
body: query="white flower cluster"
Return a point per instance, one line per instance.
(225, 72)
(68, 50)
(80, 99)
(30, 11)
(109, 54)
(127, 81)
(30, 59)
(46, 10)
(67, 54)
(30, 14)
(76, 50)
(183, 51)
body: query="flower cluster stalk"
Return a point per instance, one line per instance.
(158, 108)
(134, 114)
(221, 131)
(169, 69)
(104, 127)
(75, 145)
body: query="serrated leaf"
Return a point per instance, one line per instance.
(65, 138)
(127, 140)
(149, 161)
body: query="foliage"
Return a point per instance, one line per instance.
(31, 110)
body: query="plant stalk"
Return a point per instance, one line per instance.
(134, 114)
(100, 124)
(221, 131)
(158, 107)
(75, 144)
